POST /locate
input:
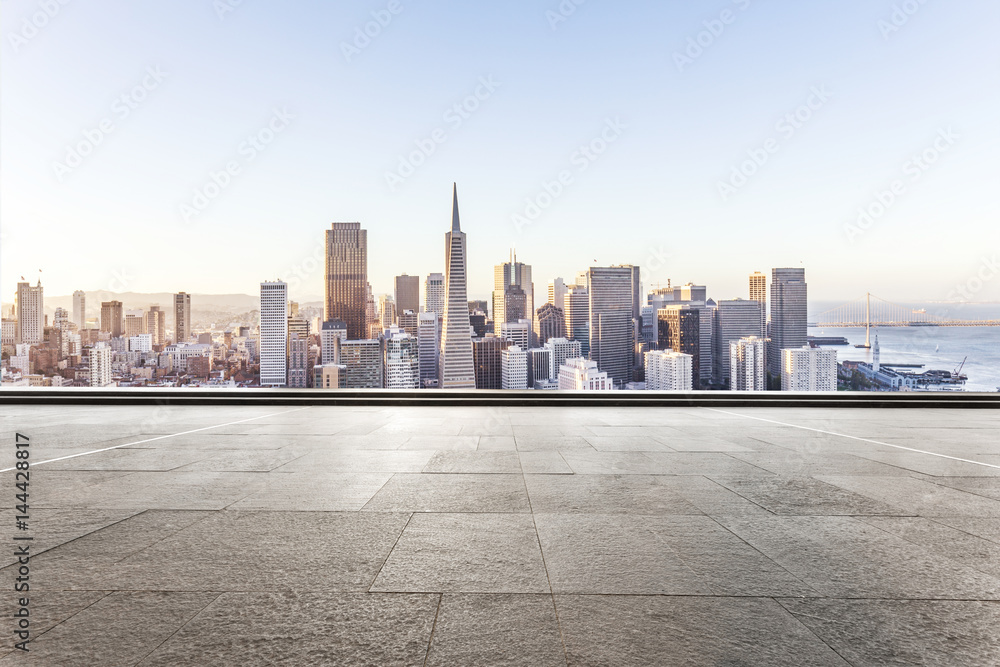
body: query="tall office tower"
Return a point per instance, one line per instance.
(581, 374)
(514, 368)
(562, 349)
(758, 292)
(746, 364)
(789, 323)
(331, 331)
(434, 293)
(80, 308)
(488, 359)
(667, 370)
(347, 277)
(549, 323)
(457, 369)
(156, 325)
(428, 348)
(518, 333)
(29, 309)
(298, 361)
(363, 359)
(298, 323)
(408, 321)
(611, 331)
(112, 318)
(513, 292)
(679, 329)
(387, 311)
(135, 323)
(407, 293)
(583, 279)
(539, 365)
(734, 319)
(576, 310)
(401, 366)
(808, 369)
(557, 292)
(182, 317)
(100, 366)
(273, 334)
(691, 292)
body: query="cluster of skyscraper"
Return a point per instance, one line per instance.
(596, 333)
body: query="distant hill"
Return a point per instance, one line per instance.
(165, 300)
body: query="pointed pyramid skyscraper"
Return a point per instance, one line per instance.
(457, 368)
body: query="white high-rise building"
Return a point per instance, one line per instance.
(747, 371)
(808, 369)
(330, 332)
(667, 370)
(562, 349)
(100, 366)
(273, 334)
(434, 293)
(514, 367)
(581, 374)
(457, 368)
(518, 333)
(79, 308)
(140, 343)
(428, 345)
(29, 308)
(21, 358)
(401, 365)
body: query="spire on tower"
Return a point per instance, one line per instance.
(455, 226)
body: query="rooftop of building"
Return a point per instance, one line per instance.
(488, 535)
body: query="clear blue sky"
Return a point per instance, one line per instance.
(652, 198)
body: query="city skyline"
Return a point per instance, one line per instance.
(665, 122)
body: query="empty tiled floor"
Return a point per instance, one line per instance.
(507, 536)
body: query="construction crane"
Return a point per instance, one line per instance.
(958, 371)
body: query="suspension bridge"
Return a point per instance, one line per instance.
(871, 311)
